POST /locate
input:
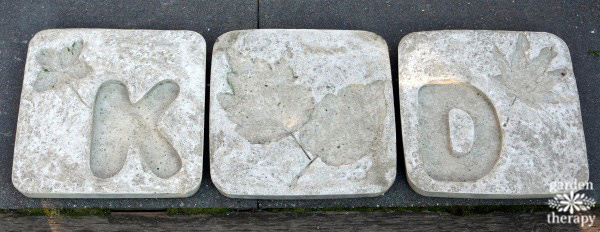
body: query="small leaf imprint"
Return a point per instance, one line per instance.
(61, 68)
(529, 80)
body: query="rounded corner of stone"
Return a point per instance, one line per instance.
(418, 189)
(385, 188)
(39, 38)
(585, 177)
(33, 195)
(408, 40)
(376, 193)
(373, 36)
(552, 36)
(196, 36)
(44, 32)
(224, 41)
(191, 191)
(25, 192)
(227, 193)
(223, 38)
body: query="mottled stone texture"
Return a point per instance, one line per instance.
(519, 94)
(111, 113)
(301, 114)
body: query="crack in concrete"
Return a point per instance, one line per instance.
(511, 111)
(301, 147)
(297, 177)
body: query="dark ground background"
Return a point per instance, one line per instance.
(576, 22)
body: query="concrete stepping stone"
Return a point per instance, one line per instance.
(301, 114)
(111, 114)
(489, 114)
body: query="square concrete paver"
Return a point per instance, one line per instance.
(111, 113)
(301, 114)
(489, 114)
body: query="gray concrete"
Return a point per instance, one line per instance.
(518, 94)
(576, 22)
(573, 21)
(301, 114)
(111, 113)
(20, 20)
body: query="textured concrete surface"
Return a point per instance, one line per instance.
(111, 113)
(301, 114)
(19, 22)
(576, 22)
(519, 94)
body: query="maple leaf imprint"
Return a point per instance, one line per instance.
(61, 68)
(529, 80)
(345, 127)
(266, 104)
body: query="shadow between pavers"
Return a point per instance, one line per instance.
(575, 22)
(20, 20)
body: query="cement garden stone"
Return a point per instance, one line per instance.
(301, 114)
(297, 114)
(489, 114)
(111, 113)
